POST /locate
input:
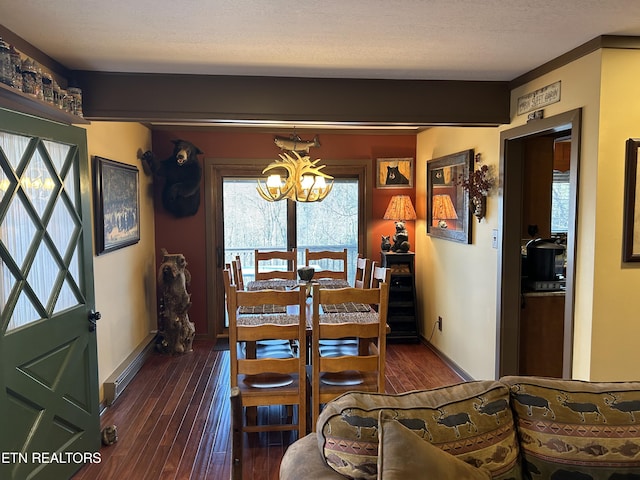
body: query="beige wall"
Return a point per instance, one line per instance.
(125, 278)
(580, 89)
(458, 282)
(616, 316)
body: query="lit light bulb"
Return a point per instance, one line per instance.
(320, 184)
(274, 183)
(307, 182)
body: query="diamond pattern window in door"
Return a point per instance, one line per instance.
(13, 147)
(38, 183)
(66, 298)
(38, 203)
(23, 313)
(58, 153)
(70, 186)
(44, 276)
(17, 231)
(5, 185)
(63, 227)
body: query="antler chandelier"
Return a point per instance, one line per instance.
(304, 180)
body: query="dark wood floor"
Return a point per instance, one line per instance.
(173, 419)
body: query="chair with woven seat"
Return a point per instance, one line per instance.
(363, 272)
(261, 348)
(327, 260)
(379, 274)
(276, 258)
(269, 380)
(346, 345)
(353, 369)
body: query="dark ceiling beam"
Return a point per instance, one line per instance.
(211, 98)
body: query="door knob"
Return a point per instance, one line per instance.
(93, 318)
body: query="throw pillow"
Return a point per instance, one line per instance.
(403, 455)
(471, 421)
(576, 429)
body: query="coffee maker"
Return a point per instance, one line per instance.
(543, 271)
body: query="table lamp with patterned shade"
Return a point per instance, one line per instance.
(400, 209)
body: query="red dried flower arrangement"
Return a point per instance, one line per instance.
(478, 183)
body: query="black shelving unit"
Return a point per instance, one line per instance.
(401, 316)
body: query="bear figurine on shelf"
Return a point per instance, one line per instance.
(385, 246)
(400, 239)
(182, 174)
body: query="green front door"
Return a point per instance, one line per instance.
(49, 418)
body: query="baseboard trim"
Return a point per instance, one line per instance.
(118, 381)
(450, 363)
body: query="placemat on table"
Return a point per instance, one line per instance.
(262, 309)
(350, 307)
(275, 284)
(332, 283)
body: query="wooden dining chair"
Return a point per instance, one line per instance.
(379, 274)
(356, 369)
(363, 272)
(279, 348)
(327, 260)
(340, 346)
(269, 380)
(236, 265)
(290, 259)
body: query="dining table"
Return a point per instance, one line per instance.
(284, 315)
(346, 312)
(283, 283)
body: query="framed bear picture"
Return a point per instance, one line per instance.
(117, 221)
(394, 173)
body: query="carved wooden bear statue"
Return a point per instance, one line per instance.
(401, 238)
(175, 329)
(182, 173)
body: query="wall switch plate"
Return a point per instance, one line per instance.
(494, 238)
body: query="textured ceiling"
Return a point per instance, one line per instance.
(403, 39)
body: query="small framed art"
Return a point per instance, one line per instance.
(394, 173)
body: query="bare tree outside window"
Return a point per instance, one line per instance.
(252, 223)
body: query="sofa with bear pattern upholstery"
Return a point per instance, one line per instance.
(516, 428)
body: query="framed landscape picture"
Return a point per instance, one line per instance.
(394, 173)
(117, 220)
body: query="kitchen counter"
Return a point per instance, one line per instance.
(543, 293)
